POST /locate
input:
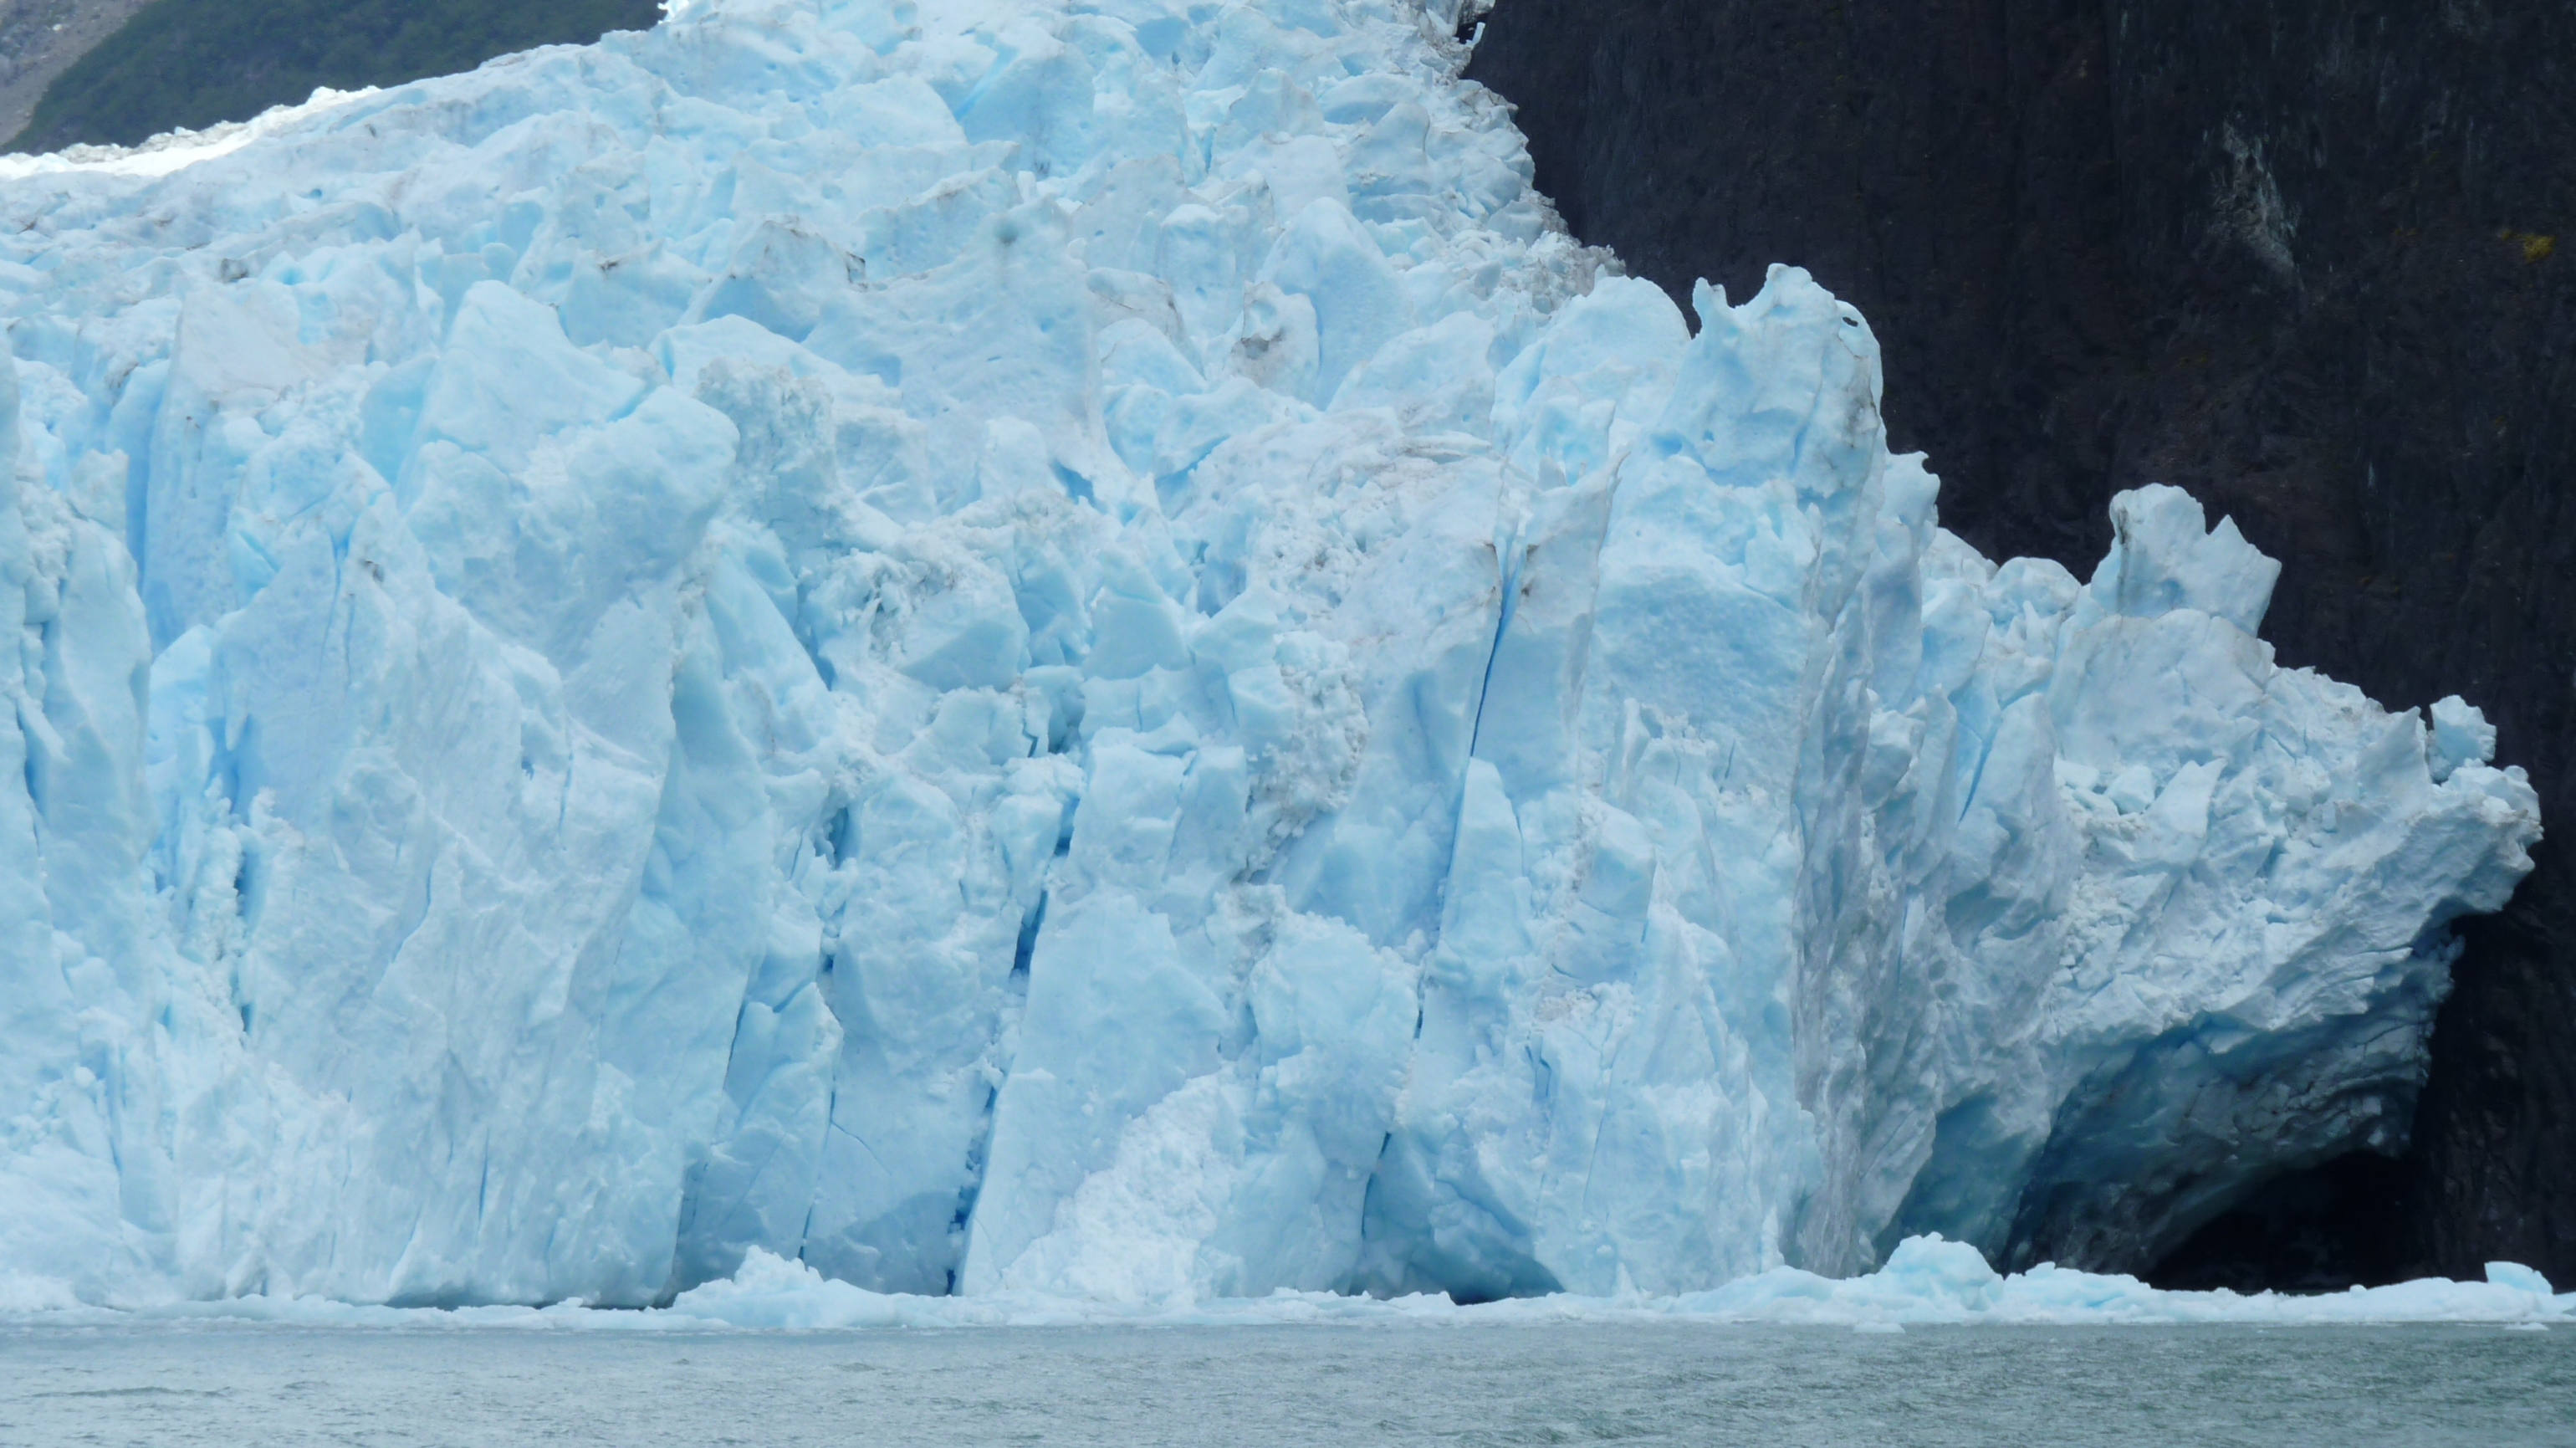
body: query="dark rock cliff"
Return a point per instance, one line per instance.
(2313, 260)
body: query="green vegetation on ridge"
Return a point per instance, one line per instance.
(194, 63)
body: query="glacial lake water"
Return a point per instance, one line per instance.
(183, 1384)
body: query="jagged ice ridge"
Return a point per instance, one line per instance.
(1071, 649)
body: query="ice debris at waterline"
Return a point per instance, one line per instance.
(1071, 650)
(1924, 1282)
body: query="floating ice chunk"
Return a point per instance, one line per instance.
(1937, 1283)
(769, 1291)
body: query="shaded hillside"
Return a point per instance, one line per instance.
(39, 39)
(2313, 260)
(193, 63)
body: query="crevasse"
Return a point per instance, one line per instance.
(1071, 647)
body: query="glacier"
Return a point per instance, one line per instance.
(1066, 647)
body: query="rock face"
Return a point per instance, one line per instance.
(39, 39)
(2313, 261)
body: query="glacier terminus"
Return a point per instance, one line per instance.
(1067, 645)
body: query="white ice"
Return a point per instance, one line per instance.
(1926, 1282)
(1070, 650)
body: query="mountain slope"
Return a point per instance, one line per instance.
(193, 63)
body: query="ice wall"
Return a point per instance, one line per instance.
(1020, 647)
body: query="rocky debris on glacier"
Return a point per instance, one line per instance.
(1070, 648)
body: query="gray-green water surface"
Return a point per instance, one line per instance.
(1693, 1384)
